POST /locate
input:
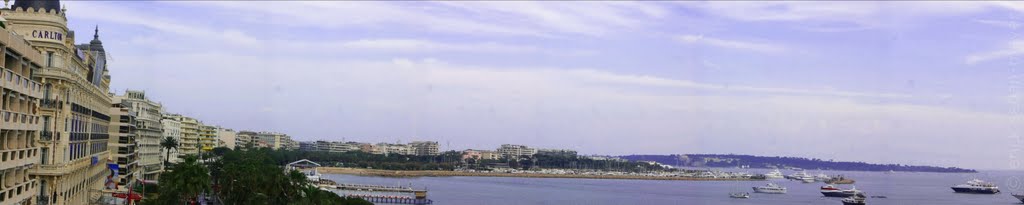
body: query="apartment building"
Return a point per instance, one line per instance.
(122, 142)
(150, 131)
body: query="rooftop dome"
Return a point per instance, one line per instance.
(46, 5)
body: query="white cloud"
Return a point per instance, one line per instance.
(1011, 49)
(540, 19)
(999, 23)
(730, 44)
(853, 15)
(108, 13)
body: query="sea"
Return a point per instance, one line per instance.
(899, 188)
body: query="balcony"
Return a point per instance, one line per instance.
(46, 136)
(51, 104)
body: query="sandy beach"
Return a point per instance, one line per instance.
(432, 173)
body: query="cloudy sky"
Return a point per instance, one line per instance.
(929, 83)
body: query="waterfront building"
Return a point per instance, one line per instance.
(272, 140)
(308, 147)
(425, 148)
(516, 151)
(75, 116)
(20, 121)
(150, 133)
(400, 149)
(123, 143)
(245, 139)
(171, 128)
(226, 137)
(371, 148)
(189, 143)
(207, 137)
(480, 154)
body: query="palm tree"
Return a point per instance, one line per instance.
(168, 144)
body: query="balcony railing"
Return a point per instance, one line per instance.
(51, 104)
(46, 136)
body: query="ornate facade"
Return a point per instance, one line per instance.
(75, 109)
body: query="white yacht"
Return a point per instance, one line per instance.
(976, 186)
(770, 188)
(775, 174)
(798, 176)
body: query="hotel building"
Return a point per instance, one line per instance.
(20, 121)
(76, 105)
(150, 131)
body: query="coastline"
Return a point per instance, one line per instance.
(433, 173)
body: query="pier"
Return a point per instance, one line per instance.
(392, 199)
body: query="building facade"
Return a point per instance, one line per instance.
(189, 143)
(226, 137)
(124, 150)
(425, 148)
(149, 134)
(171, 129)
(76, 113)
(21, 126)
(207, 137)
(516, 151)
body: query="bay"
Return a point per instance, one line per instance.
(901, 188)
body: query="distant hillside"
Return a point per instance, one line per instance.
(730, 160)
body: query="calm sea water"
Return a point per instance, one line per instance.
(900, 188)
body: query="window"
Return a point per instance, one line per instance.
(49, 59)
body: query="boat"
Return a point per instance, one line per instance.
(807, 179)
(770, 188)
(798, 175)
(775, 174)
(832, 191)
(1019, 197)
(821, 177)
(853, 200)
(839, 179)
(743, 195)
(976, 186)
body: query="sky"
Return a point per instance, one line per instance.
(924, 83)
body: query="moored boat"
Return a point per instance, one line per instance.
(832, 191)
(798, 176)
(770, 188)
(775, 174)
(976, 186)
(853, 200)
(743, 195)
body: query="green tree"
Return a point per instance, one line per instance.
(184, 182)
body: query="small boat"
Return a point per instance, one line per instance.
(742, 195)
(775, 174)
(840, 179)
(976, 186)
(832, 191)
(770, 188)
(853, 200)
(1019, 197)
